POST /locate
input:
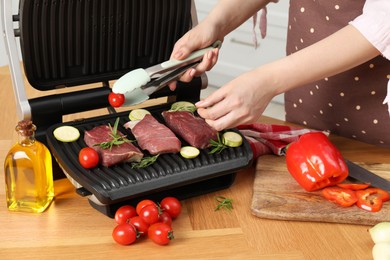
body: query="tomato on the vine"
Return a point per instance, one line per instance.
(171, 205)
(165, 218)
(147, 218)
(160, 233)
(150, 214)
(142, 204)
(116, 99)
(141, 226)
(124, 213)
(125, 234)
(88, 157)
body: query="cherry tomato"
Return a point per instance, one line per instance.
(142, 204)
(116, 99)
(165, 218)
(88, 157)
(343, 197)
(124, 213)
(371, 199)
(124, 234)
(171, 205)
(354, 186)
(160, 233)
(141, 226)
(150, 214)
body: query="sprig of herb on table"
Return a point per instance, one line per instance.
(117, 139)
(145, 161)
(223, 203)
(218, 146)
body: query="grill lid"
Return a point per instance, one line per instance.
(71, 43)
(120, 182)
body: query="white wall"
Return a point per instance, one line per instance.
(238, 53)
(3, 54)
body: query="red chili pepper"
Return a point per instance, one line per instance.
(315, 162)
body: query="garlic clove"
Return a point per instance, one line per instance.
(380, 232)
(381, 251)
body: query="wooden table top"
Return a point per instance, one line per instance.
(72, 228)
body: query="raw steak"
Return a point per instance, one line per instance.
(191, 128)
(155, 137)
(125, 152)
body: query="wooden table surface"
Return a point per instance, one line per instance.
(72, 228)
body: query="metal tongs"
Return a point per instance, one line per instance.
(137, 85)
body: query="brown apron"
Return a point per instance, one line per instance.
(349, 104)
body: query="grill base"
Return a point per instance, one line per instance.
(181, 193)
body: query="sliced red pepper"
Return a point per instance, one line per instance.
(354, 186)
(371, 199)
(382, 194)
(341, 196)
(315, 162)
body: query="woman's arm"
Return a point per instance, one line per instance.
(341, 51)
(244, 99)
(227, 15)
(223, 18)
(374, 24)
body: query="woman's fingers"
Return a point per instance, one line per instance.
(209, 60)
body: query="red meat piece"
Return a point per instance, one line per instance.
(155, 137)
(191, 128)
(125, 152)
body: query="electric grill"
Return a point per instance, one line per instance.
(74, 43)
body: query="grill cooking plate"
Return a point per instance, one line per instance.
(110, 187)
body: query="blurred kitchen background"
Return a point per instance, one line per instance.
(238, 53)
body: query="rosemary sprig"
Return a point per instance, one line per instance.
(223, 203)
(218, 146)
(145, 161)
(117, 139)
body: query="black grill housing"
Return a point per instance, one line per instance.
(69, 43)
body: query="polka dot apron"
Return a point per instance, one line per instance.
(348, 104)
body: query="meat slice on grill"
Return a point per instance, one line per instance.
(154, 137)
(191, 128)
(125, 152)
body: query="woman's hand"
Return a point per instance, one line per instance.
(240, 101)
(201, 36)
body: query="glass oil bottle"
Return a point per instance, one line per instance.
(28, 172)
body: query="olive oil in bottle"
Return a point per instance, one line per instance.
(28, 172)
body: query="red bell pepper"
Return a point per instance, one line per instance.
(354, 186)
(341, 196)
(371, 199)
(315, 162)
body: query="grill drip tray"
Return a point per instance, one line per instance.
(108, 188)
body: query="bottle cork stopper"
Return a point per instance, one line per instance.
(26, 127)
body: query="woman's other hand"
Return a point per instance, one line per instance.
(240, 101)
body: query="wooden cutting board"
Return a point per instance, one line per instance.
(276, 195)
